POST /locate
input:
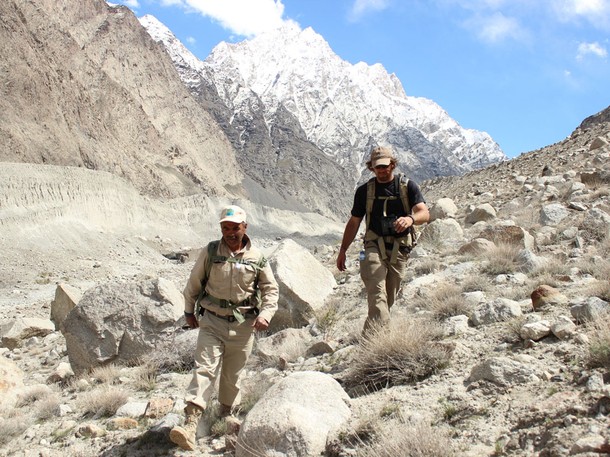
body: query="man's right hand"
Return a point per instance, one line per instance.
(191, 321)
(341, 260)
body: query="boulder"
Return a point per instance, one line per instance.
(120, 322)
(545, 296)
(443, 208)
(553, 214)
(484, 212)
(476, 247)
(15, 331)
(498, 310)
(11, 381)
(66, 298)
(294, 417)
(304, 283)
(509, 234)
(503, 371)
(442, 231)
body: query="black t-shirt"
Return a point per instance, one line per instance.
(393, 208)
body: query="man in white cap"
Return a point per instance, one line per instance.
(393, 205)
(230, 294)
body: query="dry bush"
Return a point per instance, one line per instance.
(107, 374)
(177, 356)
(145, 376)
(328, 317)
(410, 440)
(13, 422)
(553, 267)
(597, 267)
(103, 401)
(47, 407)
(425, 265)
(599, 341)
(600, 289)
(32, 394)
(501, 259)
(444, 300)
(476, 283)
(401, 352)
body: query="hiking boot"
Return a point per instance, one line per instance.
(186, 436)
(225, 411)
(233, 425)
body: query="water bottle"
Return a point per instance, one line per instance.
(361, 256)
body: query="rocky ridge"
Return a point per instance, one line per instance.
(519, 381)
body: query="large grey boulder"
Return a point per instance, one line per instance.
(442, 209)
(498, 310)
(66, 298)
(504, 371)
(442, 231)
(120, 322)
(484, 212)
(295, 417)
(304, 283)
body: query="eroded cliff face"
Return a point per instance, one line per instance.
(82, 84)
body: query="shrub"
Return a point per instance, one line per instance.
(107, 374)
(501, 259)
(444, 301)
(12, 424)
(599, 341)
(408, 440)
(103, 401)
(402, 352)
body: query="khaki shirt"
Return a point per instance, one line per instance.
(232, 281)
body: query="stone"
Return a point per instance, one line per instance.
(16, 331)
(443, 208)
(545, 295)
(66, 298)
(481, 213)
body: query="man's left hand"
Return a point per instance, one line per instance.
(260, 324)
(402, 223)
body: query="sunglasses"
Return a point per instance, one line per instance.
(381, 167)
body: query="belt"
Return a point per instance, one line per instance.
(230, 317)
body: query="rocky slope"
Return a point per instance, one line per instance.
(519, 382)
(86, 86)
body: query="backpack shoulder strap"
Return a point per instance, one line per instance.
(370, 198)
(212, 250)
(404, 194)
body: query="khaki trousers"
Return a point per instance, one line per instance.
(381, 281)
(224, 347)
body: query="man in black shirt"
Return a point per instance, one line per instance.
(392, 205)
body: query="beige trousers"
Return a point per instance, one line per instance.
(381, 281)
(222, 347)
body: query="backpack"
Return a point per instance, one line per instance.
(400, 181)
(213, 257)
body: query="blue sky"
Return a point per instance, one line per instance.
(525, 71)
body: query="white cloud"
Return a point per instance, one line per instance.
(595, 49)
(496, 27)
(131, 3)
(191, 40)
(362, 7)
(595, 11)
(243, 17)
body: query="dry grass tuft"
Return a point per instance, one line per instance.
(599, 341)
(145, 376)
(103, 401)
(443, 301)
(107, 374)
(402, 352)
(177, 356)
(501, 259)
(410, 440)
(476, 283)
(13, 422)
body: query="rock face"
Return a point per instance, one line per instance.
(294, 417)
(88, 87)
(120, 322)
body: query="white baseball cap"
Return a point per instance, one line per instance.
(233, 214)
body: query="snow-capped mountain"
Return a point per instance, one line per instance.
(343, 108)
